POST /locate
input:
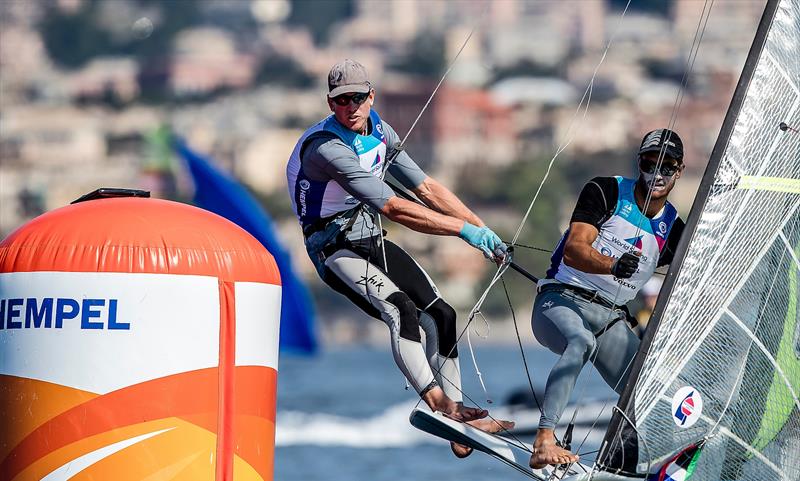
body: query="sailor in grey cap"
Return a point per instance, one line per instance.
(335, 179)
(346, 77)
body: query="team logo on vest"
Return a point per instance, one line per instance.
(635, 242)
(379, 128)
(687, 406)
(662, 227)
(305, 185)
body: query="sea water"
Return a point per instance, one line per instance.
(343, 415)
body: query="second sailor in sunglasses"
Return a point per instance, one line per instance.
(621, 229)
(659, 172)
(336, 183)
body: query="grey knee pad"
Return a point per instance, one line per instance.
(446, 369)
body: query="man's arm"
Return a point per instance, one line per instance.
(441, 199)
(434, 195)
(421, 218)
(339, 163)
(595, 205)
(579, 253)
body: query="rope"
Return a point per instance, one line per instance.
(695, 48)
(587, 95)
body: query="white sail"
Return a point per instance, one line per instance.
(722, 362)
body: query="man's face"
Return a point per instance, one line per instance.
(660, 181)
(352, 110)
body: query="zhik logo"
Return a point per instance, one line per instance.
(371, 281)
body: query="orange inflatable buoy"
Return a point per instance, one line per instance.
(138, 341)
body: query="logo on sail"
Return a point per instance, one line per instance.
(687, 406)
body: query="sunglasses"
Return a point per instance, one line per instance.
(649, 167)
(345, 99)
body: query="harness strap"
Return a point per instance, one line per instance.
(593, 297)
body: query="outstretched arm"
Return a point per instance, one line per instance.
(420, 218)
(423, 219)
(441, 199)
(341, 165)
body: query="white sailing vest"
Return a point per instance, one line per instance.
(312, 199)
(627, 230)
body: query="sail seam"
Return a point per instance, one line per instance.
(742, 206)
(782, 72)
(764, 350)
(750, 449)
(734, 224)
(789, 248)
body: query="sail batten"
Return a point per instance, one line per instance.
(768, 355)
(672, 370)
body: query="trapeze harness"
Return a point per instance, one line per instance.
(577, 313)
(337, 217)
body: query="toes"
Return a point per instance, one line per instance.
(475, 413)
(469, 414)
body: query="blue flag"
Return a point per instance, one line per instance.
(219, 193)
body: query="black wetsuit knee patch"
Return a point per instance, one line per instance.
(409, 320)
(445, 318)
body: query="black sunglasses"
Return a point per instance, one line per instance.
(649, 167)
(345, 99)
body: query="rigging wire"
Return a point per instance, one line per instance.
(399, 147)
(521, 350)
(694, 50)
(587, 97)
(569, 135)
(510, 435)
(550, 251)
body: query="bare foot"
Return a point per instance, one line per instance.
(436, 399)
(546, 451)
(487, 425)
(460, 450)
(466, 414)
(491, 425)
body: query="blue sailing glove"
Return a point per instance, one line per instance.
(483, 239)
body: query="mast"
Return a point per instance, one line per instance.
(612, 452)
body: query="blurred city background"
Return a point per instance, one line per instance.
(91, 90)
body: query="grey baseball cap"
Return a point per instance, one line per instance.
(348, 76)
